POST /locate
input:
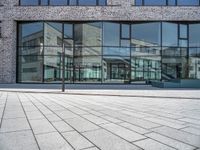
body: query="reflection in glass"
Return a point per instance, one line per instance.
(30, 69)
(155, 2)
(108, 52)
(44, 2)
(87, 69)
(31, 50)
(116, 69)
(146, 34)
(87, 2)
(183, 31)
(29, 2)
(194, 35)
(31, 34)
(170, 34)
(145, 68)
(111, 34)
(68, 31)
(58, 2)
(187, 2)
(53, 34)
(194, 68)
(88, 39)
(171, 2)
(125, 31)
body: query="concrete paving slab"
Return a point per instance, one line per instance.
(12, 125)
(125, 117)
(22, 140)
(185, 137)
(61, 126)
(77, 140)
(149, 144)
(123, 132)
(107, 141)
(52, 141)
(171, 142)
(41, 126)
(81, 124)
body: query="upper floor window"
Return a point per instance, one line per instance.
(63, 2)
(167, 2)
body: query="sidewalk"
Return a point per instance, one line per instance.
(56, 121)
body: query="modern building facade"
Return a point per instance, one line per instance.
(105, 41)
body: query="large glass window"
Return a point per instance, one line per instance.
(64, 2)
(154, 2)
(167, 2)
(169, 34)
(58, 2)
(53, 34)
(31, 34)
(87, 2)
(111, 34)
(29, 2)
(146, 34)
(108, 52)
(187, 2)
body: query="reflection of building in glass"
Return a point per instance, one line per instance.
(107, 52)
(194, 72)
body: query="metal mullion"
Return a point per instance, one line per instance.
(73, 59)
(43, 55)
(161, 50)
(188, 57)
(102, 46)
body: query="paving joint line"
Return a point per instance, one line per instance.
(66, 123)
(101, 127)
(56, 130)
(28, 121)
(2, 118)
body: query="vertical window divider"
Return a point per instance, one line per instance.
(43, 66)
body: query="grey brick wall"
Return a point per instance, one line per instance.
(122, 10)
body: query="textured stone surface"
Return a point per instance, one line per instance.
(124, 10)
(113, 129)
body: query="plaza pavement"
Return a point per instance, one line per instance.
(150, 119)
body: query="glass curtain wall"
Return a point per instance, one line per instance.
(146, 51)
(63, 2)
(108, 52)
(167, 2)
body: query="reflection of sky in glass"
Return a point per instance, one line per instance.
(147, 32)
(111, 34)
(87, 2)
(138, 2)
(116, 51)
(29, 2)
(155, 2)
(194, 36)
(171, 2)
(188, 2)
(28, 29)
(58, 2)
(170, 34)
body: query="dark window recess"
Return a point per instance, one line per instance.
(167, 2)
(63, 2)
